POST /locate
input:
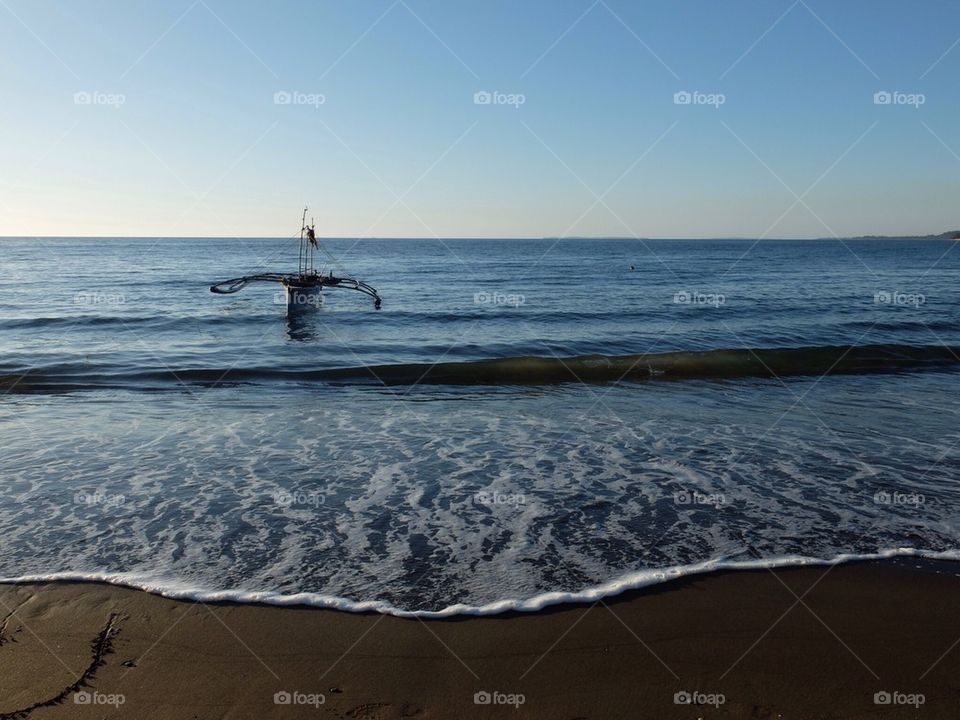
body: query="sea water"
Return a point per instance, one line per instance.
(157, 435)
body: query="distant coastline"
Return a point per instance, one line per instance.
(949, 235)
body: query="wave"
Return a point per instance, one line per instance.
(684, 365)
(705, 364)
(177, 590)
(153, 321)
(357, 318)
(908, 324)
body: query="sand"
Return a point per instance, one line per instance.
(813, 642)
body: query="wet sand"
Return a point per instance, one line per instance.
(804, 643)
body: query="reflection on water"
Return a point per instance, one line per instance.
(303, 324)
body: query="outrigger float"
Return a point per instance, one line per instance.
(303, 289)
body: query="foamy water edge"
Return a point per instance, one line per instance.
(633, 581)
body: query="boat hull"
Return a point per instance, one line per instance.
(303, 298)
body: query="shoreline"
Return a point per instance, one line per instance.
(797, 642)
(609, 591)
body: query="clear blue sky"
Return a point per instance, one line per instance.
(198, 145)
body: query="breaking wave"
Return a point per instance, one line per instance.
(633, 581)
(706, 364)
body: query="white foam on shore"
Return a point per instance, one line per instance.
(180, 591)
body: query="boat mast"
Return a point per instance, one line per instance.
(301, 261)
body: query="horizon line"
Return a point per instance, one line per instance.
(948, 235)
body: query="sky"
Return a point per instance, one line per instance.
(469, 118)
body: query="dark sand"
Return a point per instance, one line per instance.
(857, 630)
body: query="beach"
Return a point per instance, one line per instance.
(575, 360)
(812, 642)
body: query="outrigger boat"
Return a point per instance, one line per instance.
(303, 289)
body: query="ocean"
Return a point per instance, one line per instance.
(414, 460)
